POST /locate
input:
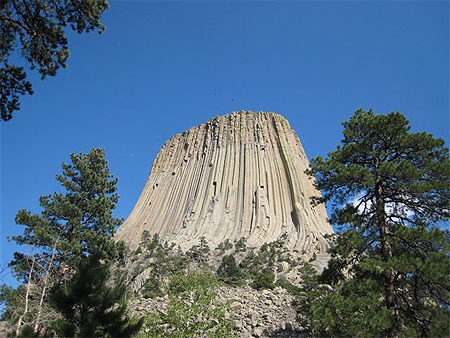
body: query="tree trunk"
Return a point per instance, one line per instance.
(27, 296)
(387, 253)
(44, 288)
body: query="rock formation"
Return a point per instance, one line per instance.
(238, 175)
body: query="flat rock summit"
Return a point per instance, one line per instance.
(238, 175)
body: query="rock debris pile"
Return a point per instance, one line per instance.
(266, 313)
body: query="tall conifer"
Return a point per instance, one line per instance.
(89, 306)
(390, 267)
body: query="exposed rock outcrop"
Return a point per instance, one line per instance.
(238, 175)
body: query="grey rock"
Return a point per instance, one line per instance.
(235, 306)
(258, 332)
(243, 198)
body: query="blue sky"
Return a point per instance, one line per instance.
(162, 67)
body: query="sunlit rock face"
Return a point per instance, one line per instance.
(238, 175)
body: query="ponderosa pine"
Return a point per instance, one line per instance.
(90, 307)
(36, 31)
(72, 225)
(390, 265)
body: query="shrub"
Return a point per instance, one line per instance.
(263, 280)
(193, 310)
(241, 245)
(224, 246)
(291, 288)
(229, 272)
(152, 287)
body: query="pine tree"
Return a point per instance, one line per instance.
(36, 30)
(389, 268)
(229, 271)
(89, 306)
(308, 293)
(72, 225)
(79, 221)
(263, 279)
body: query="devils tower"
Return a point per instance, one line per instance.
(238, 175)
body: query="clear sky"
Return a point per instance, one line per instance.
(162, 67)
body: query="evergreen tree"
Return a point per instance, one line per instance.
(241, 245)
(199, 253)
(36, 29)
(229, 271)
(72, 225)
(308, 293)
(77, 222)
(27, 332)
(389, 266)
(263, 280)
(89, 306)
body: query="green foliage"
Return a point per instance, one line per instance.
(310, 292)
(36, 31)
(275, 252)
(250, 264)
(421, 261)
(263, 280)
(377, 151)
(27, 332)
(256, 266)
(167, 261)
(153, 287)
(89, 306)
(149, 244)
(77, 222)
(241, 245)
(163, 261)
(199, 253)
(8, 297)
(193, 310)
(72, 225)
(288, 286)
(389, 267)
(224, 246)
(353, 310)
(229, 272)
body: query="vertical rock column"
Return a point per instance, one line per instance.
(238, 175)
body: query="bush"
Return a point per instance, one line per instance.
(229, 272)
(224, 246)
(193, 310)
(152, 288)
(199, 253)
(291, 288)
(263, 280)
(241, 245)
(27, 332)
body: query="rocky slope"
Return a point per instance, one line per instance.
(238, 175)
(266, 313)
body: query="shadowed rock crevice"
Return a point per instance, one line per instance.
(238, 175)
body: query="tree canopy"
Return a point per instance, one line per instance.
(33, 32)
(79, 221)
(74, 224)
(90, 307)
(389, 267)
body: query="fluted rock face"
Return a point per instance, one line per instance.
(238, 175)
